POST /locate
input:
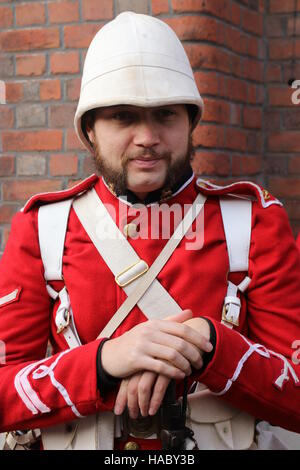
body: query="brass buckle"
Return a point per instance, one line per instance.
(62, 327)
(225, 319)
(142, 427)
(123, 284)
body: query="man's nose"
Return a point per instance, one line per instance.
(146, 134)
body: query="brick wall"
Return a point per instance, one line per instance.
(281, 116)
(241, 52)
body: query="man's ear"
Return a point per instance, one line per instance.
(88, 126)
(91, 134)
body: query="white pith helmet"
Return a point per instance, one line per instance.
(136, 60)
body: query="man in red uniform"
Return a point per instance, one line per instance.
(138, 107)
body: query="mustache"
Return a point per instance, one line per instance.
(147, 154)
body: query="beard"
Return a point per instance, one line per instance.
(118, 179)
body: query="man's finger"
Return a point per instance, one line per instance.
(158, 394)
(145, 390)
(181, 317)
(121, 400)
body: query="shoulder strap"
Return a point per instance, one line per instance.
(236, 215)
(52, 227)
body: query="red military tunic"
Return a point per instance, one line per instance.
(244, 368)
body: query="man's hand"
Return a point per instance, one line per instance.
(167, 347)
(143, 392)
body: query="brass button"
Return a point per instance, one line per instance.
(131, 445)
(130, 230)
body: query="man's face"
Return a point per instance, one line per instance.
(141, 149)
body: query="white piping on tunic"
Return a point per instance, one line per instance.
(27, 393)
(263, 202)
(263, 351)
(44, 370)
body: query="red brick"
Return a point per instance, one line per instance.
(293, 209)
(207, 82)
(28, 39)
(291, 118)
(207, 56)
(72, 141)
(160, 6)
(62, 115)
(197, 28)
(291, 70)
(251, 93)
(208, 135)
(254, 142)
(21, 190)
(80, 36)
(88, 165)
(31, 65)
(284, 187)
(63, 165)
(34, 140)
(216, 110)
(252, 118)
(280, 96)
(30, 14)
(95, 10)
(236, 90)
(6, 17)
(293, 26)
(186, 5)
(246, 164)
(254, 70)
(6, 117)
(14, 92)
(63, 11)
(235, 114)
(273, 72)
(50, 90)
(217, 8)
(236, 40)
(255, 47)
(64, 62)
(7, 165)
(294, 164)
(286, 6)
(288, 141)
(275, 164)
(235, 14)
(5, 236)
(236, 139)
(284, 48)
(236, 65)
(252, 21)
(275, 26)
(7, 211)
(272, 119)
(73, 88)
(208, 163)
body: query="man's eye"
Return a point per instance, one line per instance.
(165, 114)
(123, 116)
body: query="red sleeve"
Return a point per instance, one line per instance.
(37, 392)
(259, 372)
